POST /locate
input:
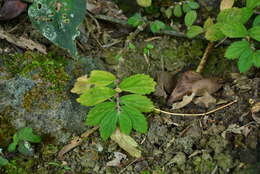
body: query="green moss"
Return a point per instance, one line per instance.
(47, 68)
(6, 129)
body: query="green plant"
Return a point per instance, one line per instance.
(3, 161)
(137, 20)
(58, 20)
(22, 139)
(115, 103)
(231, 23)
(147, 49)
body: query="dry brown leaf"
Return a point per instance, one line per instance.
(22, 42)
(184, 85)
(165, 84)
(126, 142)
(81, 85)
(206, 100)
(225, 4)
(185, 100)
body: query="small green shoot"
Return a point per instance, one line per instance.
(22, 139)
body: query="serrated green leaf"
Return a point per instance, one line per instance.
(138, 119)
(186, 8)
(245, 61)
(256, 58)
(157, 26)
(108, 124)
(194, 30)
(58, 21)
(193, 5)
(101, 78)
(177, 11)
(135, 20)
(125, 122)
(142, 103)
(96, 95)
(254, 33)
(208, 23)
(252, 3)
(96, 114)
(236, 49)
(246, 13)
(27, 134)
(190, 18)
(235, 15)
(256, 21)
(139, 84)
(3, 161)
(213, 32)
(234, 30)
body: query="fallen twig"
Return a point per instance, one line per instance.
(204, 58)
(22, 42)
(197, 115)
(75, 142)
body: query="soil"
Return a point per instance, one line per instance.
(224, 142)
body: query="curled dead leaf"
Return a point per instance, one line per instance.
(184, 85)
(12, 9)
(192, 84)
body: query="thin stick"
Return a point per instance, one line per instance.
(204, 58)
(197, 115)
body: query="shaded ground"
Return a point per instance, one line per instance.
(35, 91)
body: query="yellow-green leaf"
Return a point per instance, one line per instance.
(139, 84)
(142, 103)
(213, 32)
(225, 4)
(96, 95)
(82, 85)
(101, 78)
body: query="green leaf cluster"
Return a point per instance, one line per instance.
(137, 20)
(231, 23)
(3, 161)
(112, 108)
(22, 139)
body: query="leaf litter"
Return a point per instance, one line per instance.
(192, 84)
